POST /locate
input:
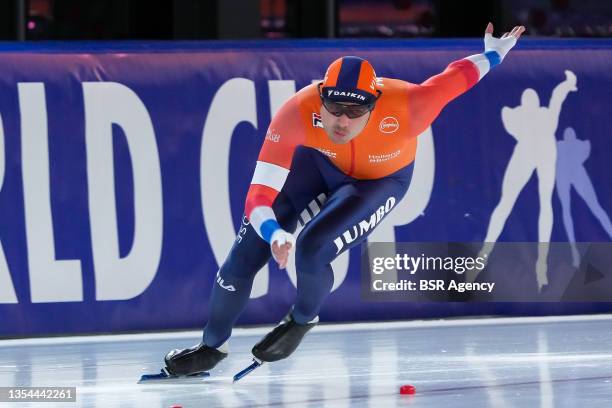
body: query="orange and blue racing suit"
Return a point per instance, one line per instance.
(339, 192)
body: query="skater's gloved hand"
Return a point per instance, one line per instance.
(505, 43)
(281, 244)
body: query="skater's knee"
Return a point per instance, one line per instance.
(240, 265)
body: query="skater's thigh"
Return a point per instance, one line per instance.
(349, 216)
(305, 182)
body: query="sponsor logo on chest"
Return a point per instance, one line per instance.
(383, 157)
(389, 124)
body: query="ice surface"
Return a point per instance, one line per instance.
(474, 363)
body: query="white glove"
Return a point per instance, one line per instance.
(281, 238)
(504, 44)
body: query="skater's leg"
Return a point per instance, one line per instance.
(234, 281)
(230, 295)
(250, 253)
(346, 219)
(326, 236)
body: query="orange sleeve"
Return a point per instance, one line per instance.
(285, 133)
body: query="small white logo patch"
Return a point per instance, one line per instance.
(229, 288)
(389, 125)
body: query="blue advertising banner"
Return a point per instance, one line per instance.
(124, 167)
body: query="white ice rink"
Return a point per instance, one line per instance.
(507, 362)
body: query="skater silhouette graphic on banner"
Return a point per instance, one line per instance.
(533, 127)
(572, 153)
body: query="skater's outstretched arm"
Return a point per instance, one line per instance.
(428, 98)
(561, 91)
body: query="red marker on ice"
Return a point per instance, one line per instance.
(407, 389)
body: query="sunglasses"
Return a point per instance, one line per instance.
(351, 111)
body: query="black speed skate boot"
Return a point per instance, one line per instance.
(281, 342)
(194, 360)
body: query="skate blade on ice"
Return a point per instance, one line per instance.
(256, 363)
(165, 377)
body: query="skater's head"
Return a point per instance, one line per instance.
(569, 134)
(530, 98)
(348, 95)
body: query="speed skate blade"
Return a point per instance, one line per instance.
(165, 377)
(256, 363)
